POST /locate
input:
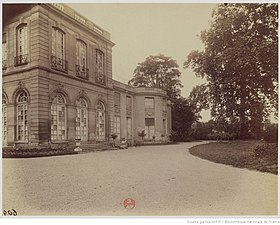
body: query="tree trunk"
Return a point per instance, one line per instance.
(243, 129)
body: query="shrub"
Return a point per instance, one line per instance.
(267, 150)
(114, 136)
(35, 151)
(173, 135)
(188, 139)
(180, 137)
(141, 134)
(221, 136)
(271, 133)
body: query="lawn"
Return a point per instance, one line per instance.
(239, 154)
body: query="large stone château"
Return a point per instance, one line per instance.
(58, 86)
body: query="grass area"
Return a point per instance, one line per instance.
(240, 154)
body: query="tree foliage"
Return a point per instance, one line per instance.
(158, 71)
(182, 119)
(213, 130)
(199, 98)
(270, 133)
(240, 63)
(202, 130)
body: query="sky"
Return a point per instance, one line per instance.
(140, 30)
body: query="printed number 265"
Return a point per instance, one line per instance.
(10, 212)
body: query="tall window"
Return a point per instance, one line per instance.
(149, 103)
(117, 99)
(58, 50)
(58, 43)
(4, 119)
(4, 51)
(149, 127)
(117, 126)
(128, 105)
(100, 121)
(58, 118)
(22, 116)
(21, 53)
(81, 61)
(129, 127)
(100, 67)
(164, 126)
(164, 103)
(82, 120)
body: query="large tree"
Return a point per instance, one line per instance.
(240, 63)
(158, 71)
(163, 72)
(182, 119)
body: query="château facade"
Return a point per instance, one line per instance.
(57, 84)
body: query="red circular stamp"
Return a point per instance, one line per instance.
(129, 203)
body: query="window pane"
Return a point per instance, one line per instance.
(22, 117)
(81, 53)
(58, 44)
(4, 119)
(100, 66)
(22, 40)
(164, 126)
(129, 128)
(149, 127)
(81, 118)
(4, 51)
(128, 103)
(58, 111)
(117, 99)
(100, 121)
(117, 126)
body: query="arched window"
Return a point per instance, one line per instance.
(21, 53)
(100, 121)
(22, 116)
(82, 120)
(58, 118)
(4, 119)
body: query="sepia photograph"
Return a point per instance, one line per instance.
(139, 109)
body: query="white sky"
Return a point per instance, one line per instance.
(141, 30)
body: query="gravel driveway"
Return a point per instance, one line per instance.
(163, 181)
